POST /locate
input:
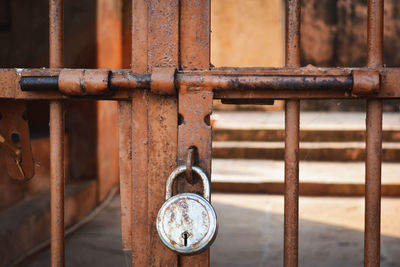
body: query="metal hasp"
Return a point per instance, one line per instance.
(15, 140)
(187, 222)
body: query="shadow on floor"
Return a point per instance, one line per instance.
(247, 237)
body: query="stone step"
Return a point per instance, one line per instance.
(309, 151)
(27, 223)
(306, 135)
(316, 178)
(315, 127)
(308, 120)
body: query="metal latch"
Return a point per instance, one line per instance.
(15, 139)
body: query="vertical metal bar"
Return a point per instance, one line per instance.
(125, 171)
(292, 126)
(163, 50)
(139, 138)
(194, 107)
(57, 183)
(373, 142)
(109, 47)
(140, 150)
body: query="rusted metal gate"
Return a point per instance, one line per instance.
(165, 101)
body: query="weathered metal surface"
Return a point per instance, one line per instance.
(192, 157)
(292, 126)
(84, 82)
(39, 83)
(291, 209)
(108, 48)
(139, 175)
(57, 182)
(365, 82)
(57, 179)
(7, 83)
(125, 170)
(232, 81)
(187, 223)
(195, 55)
(140, 140)
(194, 34)
(306, 82)
(15, 139)
(162, 120)
(126, 79)
(373, 162)
(194, 131)
(373, 167)
(163, 81)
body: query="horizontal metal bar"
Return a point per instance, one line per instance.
(209, 80)
(227, 83)
(220, 82)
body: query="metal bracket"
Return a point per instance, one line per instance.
(80, 82)
(365, 82)
(15, 139)
(163, 81)
(194, 131)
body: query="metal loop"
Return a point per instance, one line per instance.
(182, 169)
(189, 163)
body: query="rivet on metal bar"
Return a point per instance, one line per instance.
(163, 81)
(82, 82)
(190, 161)
(365, 82)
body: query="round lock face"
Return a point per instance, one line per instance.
(187, 223)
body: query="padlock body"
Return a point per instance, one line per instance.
(187, 223)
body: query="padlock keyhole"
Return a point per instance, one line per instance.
(185, 236)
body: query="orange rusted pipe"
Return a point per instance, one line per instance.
(373, 161)
(57, 182)
(292, 126)
(80, 82)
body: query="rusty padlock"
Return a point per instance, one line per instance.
(187, 222)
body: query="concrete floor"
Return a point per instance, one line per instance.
(251, 231)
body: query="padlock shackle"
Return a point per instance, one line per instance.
(181, 169)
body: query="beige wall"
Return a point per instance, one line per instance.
(247, 33)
